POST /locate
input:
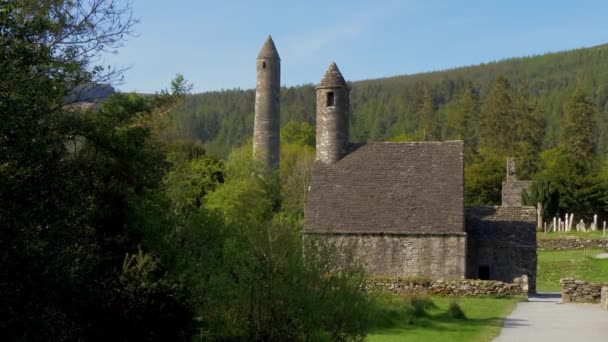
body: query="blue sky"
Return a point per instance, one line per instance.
(215, 43)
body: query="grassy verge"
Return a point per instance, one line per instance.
(397, 320)
(596, 235)
(554, 265)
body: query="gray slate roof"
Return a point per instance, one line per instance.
(269, 50)
(389, 188)
(332, 78)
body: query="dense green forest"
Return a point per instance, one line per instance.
(388, 107)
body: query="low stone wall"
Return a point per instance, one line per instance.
(580, 291)
(452, 287)
(571, 242)
(604, 298)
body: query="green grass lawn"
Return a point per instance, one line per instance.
(554, 265)
(396, 321)
(596, 235)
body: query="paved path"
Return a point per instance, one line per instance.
(545, 319)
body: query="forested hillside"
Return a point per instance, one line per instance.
(385, 108)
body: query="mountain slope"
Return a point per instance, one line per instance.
(387, 107)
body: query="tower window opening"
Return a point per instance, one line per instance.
(331, 99)
(263, 65)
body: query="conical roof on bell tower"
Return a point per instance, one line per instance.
(333, 78)
(269, 50)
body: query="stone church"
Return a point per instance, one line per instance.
(400, 205)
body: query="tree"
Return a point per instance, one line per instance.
(529, 129)
(299, 133)
(466, 117)
(428, 127)
(578, 135)
(66, 215)
(483, 180)
(497, 131)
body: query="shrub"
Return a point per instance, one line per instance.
(419, 304)
(455, 311)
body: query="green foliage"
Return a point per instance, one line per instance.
(428, 128)
(193, 175)
(420, 304)
(295, 172)
(543, 192)
(463, 123)
(581, 186)
(455, 311)
(482, 181)
(578, 136)
(151, 303)
(298, 133)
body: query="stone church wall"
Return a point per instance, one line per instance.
(511, 192)
(501, 243)
(406, 255)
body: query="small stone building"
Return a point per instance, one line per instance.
(401, 205)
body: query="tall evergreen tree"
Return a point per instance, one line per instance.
(428, 127)
(578, 127)
(529, 129)
(497, 130)
(467, 127)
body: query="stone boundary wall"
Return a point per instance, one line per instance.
(580, 291)
(604, 298)
(452, 287)
(570, 242)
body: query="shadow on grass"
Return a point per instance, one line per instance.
(393, 317)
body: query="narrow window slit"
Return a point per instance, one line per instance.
(330, 99)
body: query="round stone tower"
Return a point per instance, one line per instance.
(333, 108)
(267, 119)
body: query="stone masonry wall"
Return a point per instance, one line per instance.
(501, 240)
(571, 242)
(406, 255)
(453, 287)
(580, 291)
(511, 192)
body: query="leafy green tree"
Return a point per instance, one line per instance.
(193, 174)
(483, 181)
(299, 133)
(295, 170)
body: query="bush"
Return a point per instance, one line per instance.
(419, 304)
(455, 311)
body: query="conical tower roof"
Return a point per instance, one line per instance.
(269, 50)
(333, 78)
